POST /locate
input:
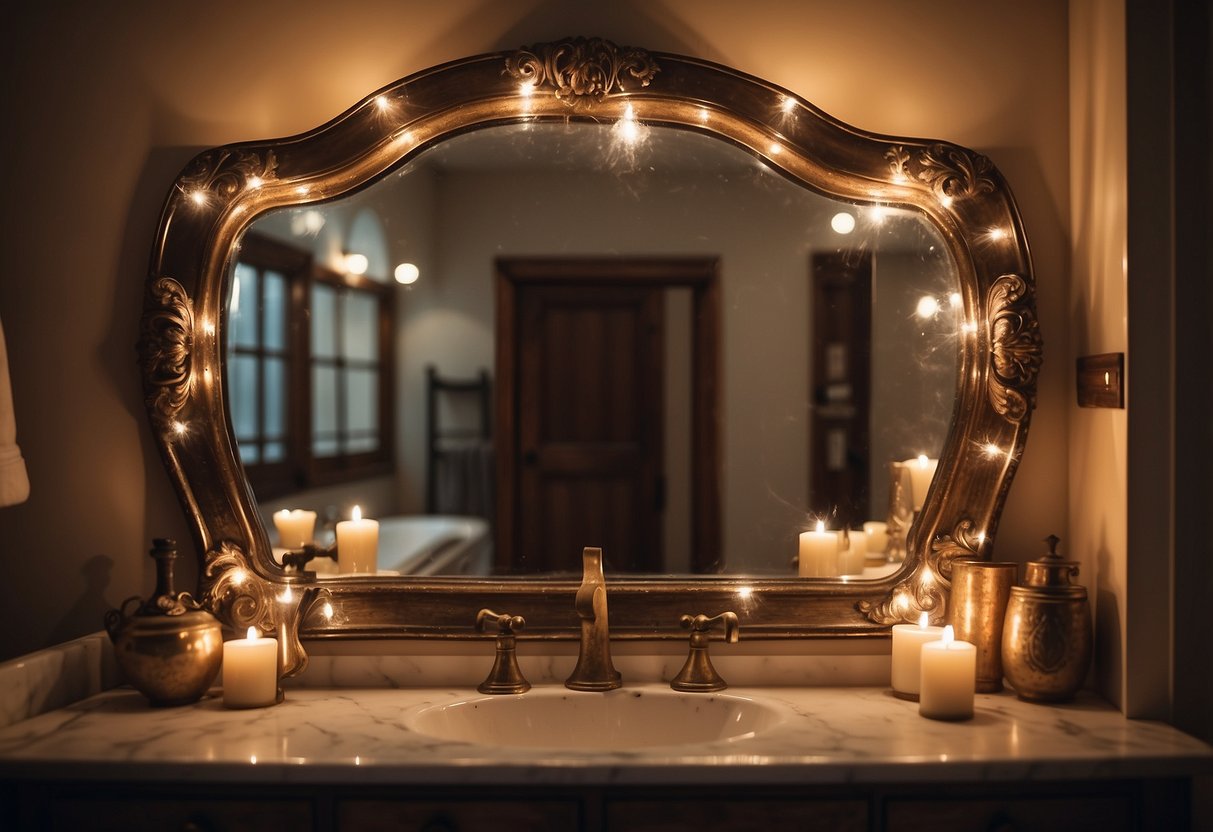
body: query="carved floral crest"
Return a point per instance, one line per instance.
(166, 344)
(226, 172)
(582, 69)
(1015, 345)
(950, 171)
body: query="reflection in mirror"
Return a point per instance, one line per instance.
(533, 338)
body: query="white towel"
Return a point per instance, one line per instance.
(14, 482)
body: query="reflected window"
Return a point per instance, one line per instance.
(307, 400)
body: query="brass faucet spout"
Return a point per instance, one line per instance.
(594, 670)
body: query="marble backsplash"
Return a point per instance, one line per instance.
(68, 672)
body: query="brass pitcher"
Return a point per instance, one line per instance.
(1046, 639)
(169, 648)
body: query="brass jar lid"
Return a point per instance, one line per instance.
(1052, 574)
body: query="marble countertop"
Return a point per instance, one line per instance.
(357, 735)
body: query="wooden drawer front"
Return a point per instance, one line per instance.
(738, 815)
(1011, 814)
(190, 814)
(458, 816)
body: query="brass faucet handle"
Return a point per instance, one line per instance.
(698, 675)
(702, 624)
(505, 677)
(507, 625)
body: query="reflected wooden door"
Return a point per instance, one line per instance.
(590, 425)
(580, 424)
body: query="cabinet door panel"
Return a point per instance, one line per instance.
(1097, 814)
(453, 816)
(187, 813)
(740, 815)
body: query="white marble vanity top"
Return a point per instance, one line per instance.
(831, 735)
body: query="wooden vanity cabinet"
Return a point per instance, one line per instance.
(1106, 806)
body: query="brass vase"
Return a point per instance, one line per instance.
(168, 648)
(1046, 639)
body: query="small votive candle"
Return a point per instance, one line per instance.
(296, 527)
(851, 560)
(949, 678)
(358, 544)
(819, 553)
(250, 671)
(877, 533)
(922, 471)
(908, 640)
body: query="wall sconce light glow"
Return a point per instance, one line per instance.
(955, 300)
(355, 263)
(993, 450)
(287, 595)
(407, 274)
(238, 576)
(744, 592)
(255, 182)
(981, 538)
(703, 114)
(327, 610)
(775, 148)
(208, 326)
(968, 327)
(997, 233)
(789, 103)
(526, 89)
(877, 214)
(381, 102)
(945, 201)
(927, 307)
(842, 222)
(180, 428)
(198, 197)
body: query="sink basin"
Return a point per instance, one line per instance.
(624, 719)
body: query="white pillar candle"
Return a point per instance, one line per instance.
(878, 537)
(296, 527)
(250, 671)
(908, 640)
(818, 553)
(922, 471)
(358, 544)
(851, 560)
(949, 678)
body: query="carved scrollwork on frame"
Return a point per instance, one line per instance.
(241, 598)
(951, 172)
(226, 172)
(232, 588)
(581, 69)
(1015, 345)
(166, 345)
(926, 589)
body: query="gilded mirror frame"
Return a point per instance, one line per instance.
(222, 190)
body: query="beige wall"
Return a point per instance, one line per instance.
(104, 104)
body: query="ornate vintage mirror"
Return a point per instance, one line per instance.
(815, 302)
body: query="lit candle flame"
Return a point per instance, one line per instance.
(924, 619)
(821, 526)
(252, 634)
(356, 514)
(949, 635)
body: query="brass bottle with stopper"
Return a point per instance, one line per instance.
(1046, 638)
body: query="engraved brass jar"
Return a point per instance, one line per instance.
(1046, 639)
(169, 648)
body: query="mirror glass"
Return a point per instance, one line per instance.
(629, 336)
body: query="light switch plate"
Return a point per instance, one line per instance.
(1101, 380)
